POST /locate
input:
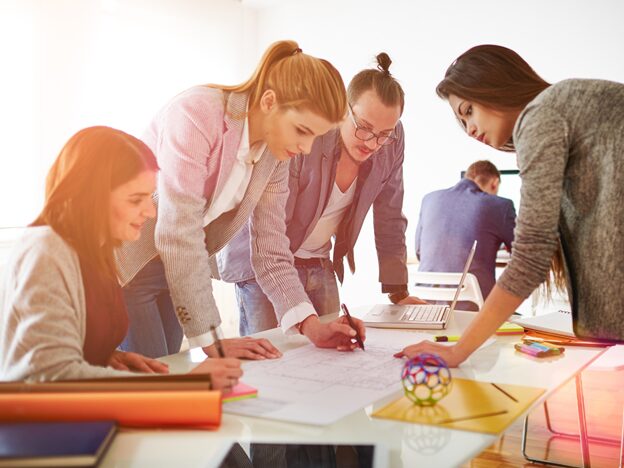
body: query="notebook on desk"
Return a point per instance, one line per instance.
(555, 323)
(54, 443)
(557, 328)
(421, 316)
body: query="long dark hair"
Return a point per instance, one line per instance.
(493, 76)
(497, 77)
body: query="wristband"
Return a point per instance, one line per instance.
(398, 296)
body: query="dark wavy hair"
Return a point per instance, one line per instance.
(493, 76)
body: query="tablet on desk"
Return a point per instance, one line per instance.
(305, 455)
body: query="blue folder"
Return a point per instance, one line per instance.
(54, 443)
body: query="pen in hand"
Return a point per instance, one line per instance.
(217, 342)
(352, 325)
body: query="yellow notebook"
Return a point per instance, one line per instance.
(470, 406)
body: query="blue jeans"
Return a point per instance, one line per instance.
(154, 328)
(257, 313)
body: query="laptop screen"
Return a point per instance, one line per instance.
(463, 277)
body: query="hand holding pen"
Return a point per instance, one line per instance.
(217, 342)
(358, 338)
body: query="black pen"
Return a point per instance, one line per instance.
(217, 342)
(352, 325)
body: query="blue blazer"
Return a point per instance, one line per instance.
(450, 221)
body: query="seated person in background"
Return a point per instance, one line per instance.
(451, 219)
(62, 313)
(349, 169)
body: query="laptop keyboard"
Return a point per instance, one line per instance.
(423, 313)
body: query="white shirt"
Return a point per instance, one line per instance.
(318, 245)
(229, 197)
(235, 187)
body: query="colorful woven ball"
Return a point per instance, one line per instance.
(426, 379)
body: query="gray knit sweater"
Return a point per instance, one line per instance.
(570, 149)
(43, 312)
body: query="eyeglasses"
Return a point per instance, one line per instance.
(365, 134)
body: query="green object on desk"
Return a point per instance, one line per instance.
(446, 338)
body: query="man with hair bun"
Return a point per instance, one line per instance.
(450, 220)
(349, 169)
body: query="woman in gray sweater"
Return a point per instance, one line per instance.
(62, 314)
(569, 143)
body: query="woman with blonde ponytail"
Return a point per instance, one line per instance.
(224, 153)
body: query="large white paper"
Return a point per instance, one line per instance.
(320, 386)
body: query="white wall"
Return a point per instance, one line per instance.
(559, 38)
(68, 64)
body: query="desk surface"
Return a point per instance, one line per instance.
(408, 444)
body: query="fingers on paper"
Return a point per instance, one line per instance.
(270, 351)
(225, 377)
(137, 363)
(422, 347)
(157, 366)
(118, 365)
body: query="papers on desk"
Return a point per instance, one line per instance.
(320, 386)
(470, 405)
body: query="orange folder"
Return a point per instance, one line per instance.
(155, 408)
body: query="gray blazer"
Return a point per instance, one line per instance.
(380, 185)
(43, 315)
(195, 139)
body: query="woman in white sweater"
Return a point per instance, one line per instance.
(62, 312)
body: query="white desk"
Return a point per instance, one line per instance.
(408, 444)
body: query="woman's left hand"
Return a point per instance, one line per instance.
(450, 354)
(134, 362)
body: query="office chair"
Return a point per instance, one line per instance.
(441, 287)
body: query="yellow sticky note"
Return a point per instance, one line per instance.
(509, 328)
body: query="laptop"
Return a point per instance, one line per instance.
(421, 316)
